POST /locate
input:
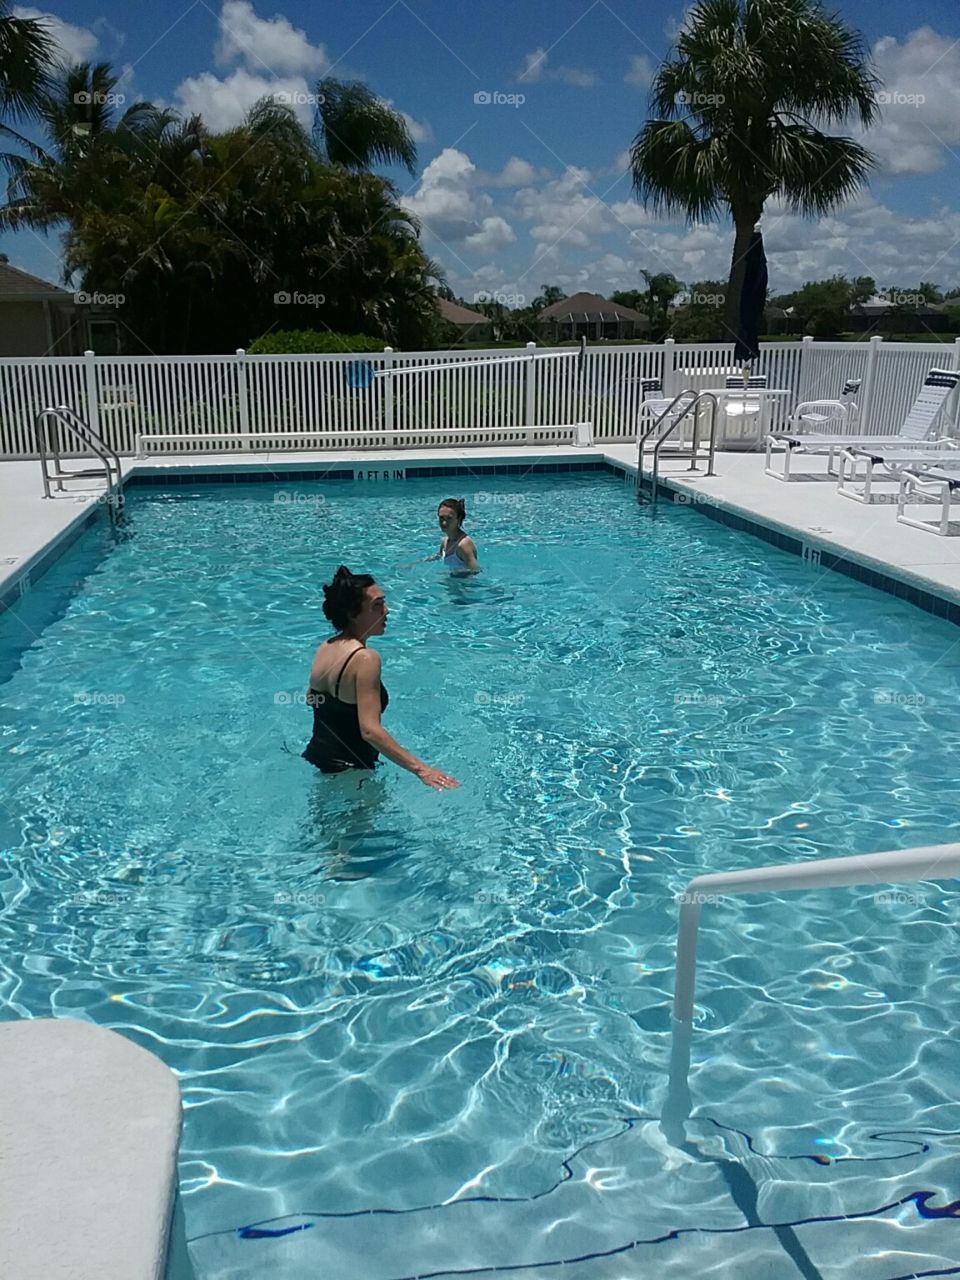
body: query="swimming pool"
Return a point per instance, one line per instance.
(431, 1030)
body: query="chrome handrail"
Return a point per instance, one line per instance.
(694, 404)
(900, 866)
(49, 452)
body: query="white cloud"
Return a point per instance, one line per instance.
(641, 71)
(269, 56)
(268, 46)
(920, 103)
(515, 173)
(535, 70)
(451, 205)
(223, 103)
(495, 233)
(77, 44)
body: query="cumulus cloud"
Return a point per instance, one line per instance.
(77, 44)
(269, 56)
(535, 69)
(453, 207)
(919, 104)
(269, 46)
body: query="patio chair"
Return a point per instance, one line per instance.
(921, 484)
(915, 433)
(654, 403)
(830, 415)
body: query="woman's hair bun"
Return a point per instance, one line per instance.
(343, 596)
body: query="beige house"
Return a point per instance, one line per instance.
(472, 325)
(39, 319)
(590, 316)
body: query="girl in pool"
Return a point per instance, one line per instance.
(457, 550)
(345, 691)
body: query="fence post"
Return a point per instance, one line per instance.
(243, 401)
(92, 392)
(530, 388)
(388, 397)
(669, 367)
(869, 380)
(806, 348)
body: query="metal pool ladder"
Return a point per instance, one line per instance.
(50, 456)
(692, 405)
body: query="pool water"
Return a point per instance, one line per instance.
(455, 1006)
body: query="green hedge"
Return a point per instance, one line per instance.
(302, 342)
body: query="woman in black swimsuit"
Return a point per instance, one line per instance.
(345, 689)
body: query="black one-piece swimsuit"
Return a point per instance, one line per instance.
(337, 743)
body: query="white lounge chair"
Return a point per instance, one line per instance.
(892, 460)
(918, 427)
(921, 484)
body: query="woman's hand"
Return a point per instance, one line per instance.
(431, 777)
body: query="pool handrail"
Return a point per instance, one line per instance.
(48, 452)
(692, 405)
(900, 866)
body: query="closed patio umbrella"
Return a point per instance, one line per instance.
(752, 299)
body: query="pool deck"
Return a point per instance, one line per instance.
(34, 530)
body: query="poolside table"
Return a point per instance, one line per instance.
(745, 431)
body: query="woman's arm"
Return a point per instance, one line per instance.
(468, 554)
(367, 667)
(438, 555)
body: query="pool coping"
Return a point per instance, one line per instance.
(911, 585)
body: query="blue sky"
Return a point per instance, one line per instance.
(532, 188)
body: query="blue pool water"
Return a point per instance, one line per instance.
(394, 999)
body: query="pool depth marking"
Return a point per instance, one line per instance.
(384, 473)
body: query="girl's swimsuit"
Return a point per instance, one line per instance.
(451, 560)
(337, 743)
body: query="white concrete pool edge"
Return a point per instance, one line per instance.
(811, 512)
(89, 1136)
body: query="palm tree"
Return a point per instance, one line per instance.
(27, 56)
(356, 129)
(737, 115)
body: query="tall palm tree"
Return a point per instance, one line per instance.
(27, 56)
(737, 117)
(356, 129)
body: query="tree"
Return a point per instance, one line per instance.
(551, 293)
(736, 116)
(27, 57)
(700, 319)
(662, 288)
(356, 129)
(823, 306)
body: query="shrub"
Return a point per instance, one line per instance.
(302, 342)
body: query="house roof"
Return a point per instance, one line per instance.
(454, 313)
(590, 307)
(20, 286)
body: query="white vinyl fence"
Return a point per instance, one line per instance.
(256, 397)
